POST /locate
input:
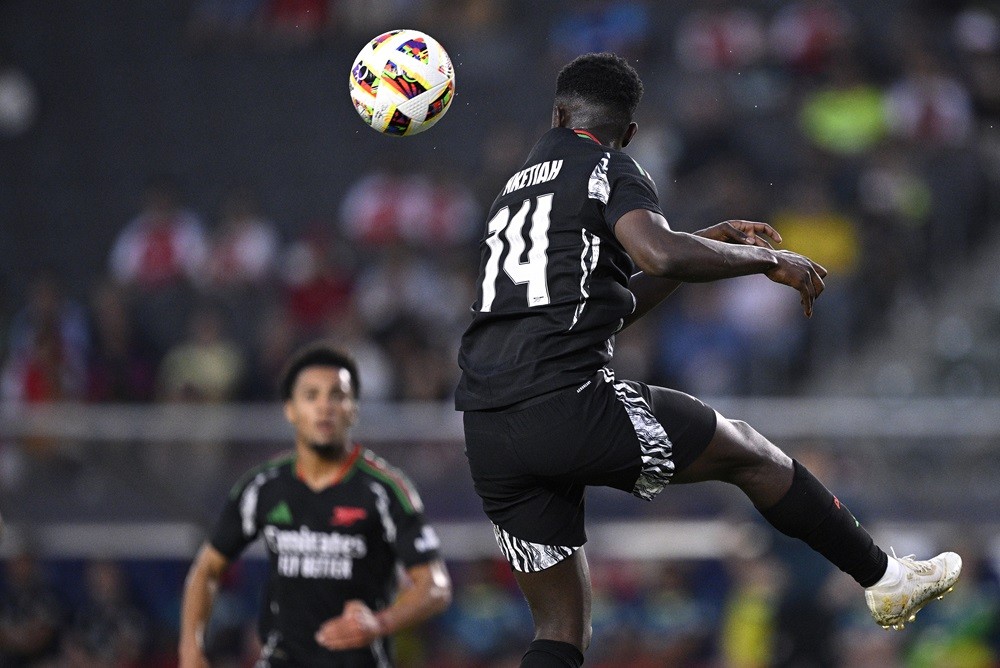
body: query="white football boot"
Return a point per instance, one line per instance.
(895, 603)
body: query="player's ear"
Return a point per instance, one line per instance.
(560, 117)
(289, 412)
(630, 131)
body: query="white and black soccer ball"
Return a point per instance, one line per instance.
(402, 82)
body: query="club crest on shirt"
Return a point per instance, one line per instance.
(347, 515)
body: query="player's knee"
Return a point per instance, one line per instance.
(747, 454)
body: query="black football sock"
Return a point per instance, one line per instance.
(551, 654)
(809, 512)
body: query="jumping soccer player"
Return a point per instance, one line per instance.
(544, 416)
(335, 519)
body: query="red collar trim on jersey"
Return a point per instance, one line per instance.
(341, 472)
(586, 134)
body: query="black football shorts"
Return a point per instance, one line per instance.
(530, 464)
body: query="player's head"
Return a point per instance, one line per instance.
(598, 91)
(316, 354)
(319, 387)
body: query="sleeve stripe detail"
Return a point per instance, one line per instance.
(276, 462)
(404, 491)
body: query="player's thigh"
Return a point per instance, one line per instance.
(531, 465)
(560, 600)
(671, 430)
(514, 457)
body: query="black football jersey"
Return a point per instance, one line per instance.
(553, 279)
(325, 547)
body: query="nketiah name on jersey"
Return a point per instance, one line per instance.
(531, 176)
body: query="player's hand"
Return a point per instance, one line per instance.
(742, 232)
(799, 272)
(357, 626)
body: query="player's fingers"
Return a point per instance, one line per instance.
(758, 229)
(817, 280)
(743, 233)
(808, 292)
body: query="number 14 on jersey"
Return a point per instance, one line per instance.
(506, 230)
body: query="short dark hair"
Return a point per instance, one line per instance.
(604, 81)
(317, 354)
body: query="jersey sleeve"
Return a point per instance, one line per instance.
(415, 540)
(629, 187)
(237, 526)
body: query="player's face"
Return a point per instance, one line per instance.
(322, 409)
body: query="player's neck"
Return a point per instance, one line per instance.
(322, 470)
(601, 135)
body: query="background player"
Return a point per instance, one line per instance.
(544, 417)
(336, 519)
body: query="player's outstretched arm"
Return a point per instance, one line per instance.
(651, 290)
(428, 594)
(660, 251)
(196, 608)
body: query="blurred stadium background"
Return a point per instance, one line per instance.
(186, 195)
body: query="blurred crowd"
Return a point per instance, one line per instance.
(866, 133)
(188, 314)
(782, 608)
(867, 138)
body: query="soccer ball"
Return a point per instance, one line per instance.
(402, 82)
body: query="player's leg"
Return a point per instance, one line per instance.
(559, 598)
(515, 457)
(788, 496)
(798, 505)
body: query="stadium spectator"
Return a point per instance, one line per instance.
(48, 344)
(844, 117)
(243, 248)
(206, 367)
(698, 348)
(814, 224)
(928, 106)
(977, 38)
(277, 338)
(720, 36)
(158, 256)
(163, 245)
(806, 36)
(895, 202)
(403, 282)
(121, 366)
(748, 632)
(242, 262)
(393, 204)
(318, 280)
